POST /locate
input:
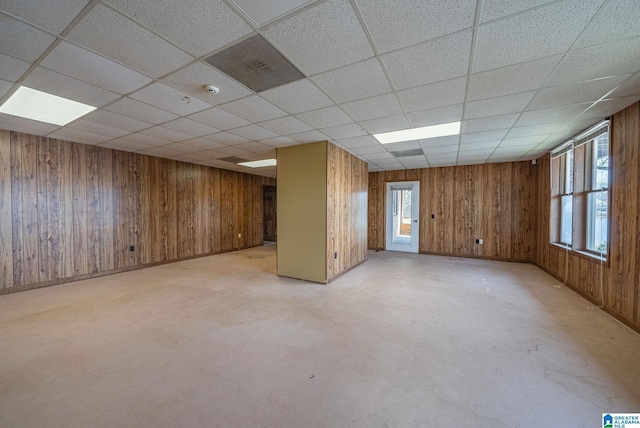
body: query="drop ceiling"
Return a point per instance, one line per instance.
(522, 76)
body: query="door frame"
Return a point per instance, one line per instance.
(414, 245)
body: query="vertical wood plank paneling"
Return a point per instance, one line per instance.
(16, 209)
(6, 213)
(216, 210)
(66, 203)
(30, 244)
(44, 195)
(95, 241)
(79, 191)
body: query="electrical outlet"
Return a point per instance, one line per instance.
(480, 241)
(131, 248)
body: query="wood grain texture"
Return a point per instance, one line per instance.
(347, 183)
(614, 284)
(6, 226)
(461, 204)
(73, 210)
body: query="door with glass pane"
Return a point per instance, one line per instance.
(403, 209)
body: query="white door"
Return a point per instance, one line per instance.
(403, 212)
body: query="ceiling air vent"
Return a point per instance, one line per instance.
(405, 153)
(256, 64)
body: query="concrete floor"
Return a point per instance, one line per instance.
(403, 340)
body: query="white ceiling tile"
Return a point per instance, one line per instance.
(21, 40)
(28, 126)
(286, 125)
(183, 147)
(5, 87)
(53, 15)
(449, 148)
(278, 142)
(534, 34)
(631, 86)
(147, 140)
(510, 150)
(412, 160)
(609, 107)
(435, 164)
(165, 134)
(98, 128)
(170, 99)
(365, 140)
(219, 118)
(475, 137)
(232, 151)
(476, 160)
(116, 120)
(373, 108)
(534, 130)
(617, 20)
(325, 117)
(489, 123)
(92, 68)
(436, 116)
(254, 147)
(494, 9)
(321, 38)
(297, 97)
(344, 131)
(190, 157)
(361, 80)
(126, 145)
(226, 138)
(621, 57)
(308, 137)
(159, 152)
(200, 26)
(78, 136)
(381, 157)
(479, 145)
(68, 87)
(109, 33)
(439, 141)
(500, 158)
(404, 145)
(253, 132)
(193, 78)
(499, 105)
(430, 62)
(554, 114)
(394, 26)
(574, 94)
(264, 12)
(141, 111)
(530, 141)
(512, 79)
(439, 94)
(368, 150)
(202, 144)
(254, 109)
(385, 124)
(190, 127)
(469, 151)
(11, 69)
(442, 156)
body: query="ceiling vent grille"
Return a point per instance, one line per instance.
(406, 153)
(256, 64)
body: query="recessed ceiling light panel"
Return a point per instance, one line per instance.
(434, 131)
(259, 163)
(41, 106)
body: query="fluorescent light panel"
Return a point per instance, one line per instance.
(442, 130)
(259, 163)
(41, 106)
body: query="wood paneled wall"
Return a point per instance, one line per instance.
(347, 181)
(71, 210)
(494, 202)
(615, 285)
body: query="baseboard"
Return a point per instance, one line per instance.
(347, 270)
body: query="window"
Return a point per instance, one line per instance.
(580, 192)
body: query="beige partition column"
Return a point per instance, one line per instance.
(302, 211)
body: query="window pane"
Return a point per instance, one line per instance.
(600, 172)
(568, 171)
(597, 219)
(566, 219)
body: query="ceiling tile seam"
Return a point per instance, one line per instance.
(472, 51)
(241, 13)
(144, 27)
(292, 14)
(522, 12)
(58, 39)
(593, 21)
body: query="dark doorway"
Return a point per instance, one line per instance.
(270, 232)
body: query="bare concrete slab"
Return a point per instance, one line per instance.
(403, 340)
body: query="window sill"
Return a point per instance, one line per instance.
(594, 257)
